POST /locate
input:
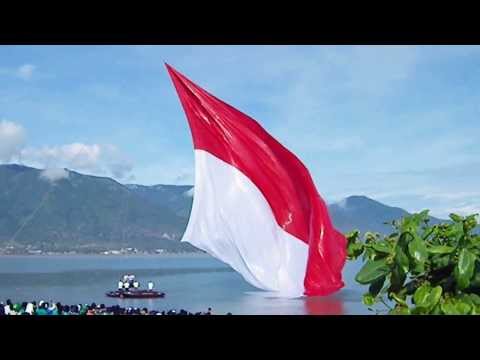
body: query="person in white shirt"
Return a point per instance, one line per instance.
(136, 284)
(127, 285)
(150, 285)
(8, 308)
(29, 309)
(120, 285)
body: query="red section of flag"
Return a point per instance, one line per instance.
(284, 181)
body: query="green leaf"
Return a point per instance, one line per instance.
(403, 240)
(434, 296)
(424, 214)
(398, 299)
(441, 261)
(475, 299)
(455, 306)
(370, 237)
(427, 297)
(354, 250)
(418, 250)
(421, 295)
(448, 308)
(419, 311)
(352, 236)
(475, 240)
(412, 222)
(463, 308)
(440, 249)
(369, 254)
(401, 259)
(418, 268)
(464, 269)
(372, 270)
(382, 247)
(368, 299)
(456, 218)
(454, 233)
(400, 310)
(437, 310)
(397, 278)
(471, 222)
(475, 281)
(472, 299)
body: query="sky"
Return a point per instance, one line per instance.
(399, 124)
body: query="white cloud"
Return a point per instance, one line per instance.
(466, 210)
(25, 72)
(76, 155)
(54, 174)
(103, 159)
(12, 139)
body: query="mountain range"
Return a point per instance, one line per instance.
(84, 213)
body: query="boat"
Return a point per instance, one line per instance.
(135, 294)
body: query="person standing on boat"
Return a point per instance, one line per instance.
(127, 285)
(136, 284)
(120, 284)
(150, 285)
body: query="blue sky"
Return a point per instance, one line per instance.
(397, 123)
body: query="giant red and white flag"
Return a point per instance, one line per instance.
(255, 205)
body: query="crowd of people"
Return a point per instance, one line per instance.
(52, 308)
(56, 308)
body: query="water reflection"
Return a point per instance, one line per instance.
(268, 303)
(324, 305)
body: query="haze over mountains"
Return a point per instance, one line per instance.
(68, 211)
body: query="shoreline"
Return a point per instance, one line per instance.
(164, 255)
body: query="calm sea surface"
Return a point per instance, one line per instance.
(190, 282)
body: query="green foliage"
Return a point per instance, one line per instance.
(421, 269)
(372, 270)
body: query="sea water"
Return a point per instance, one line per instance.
(191, 282)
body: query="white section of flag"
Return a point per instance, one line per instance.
(232, 221)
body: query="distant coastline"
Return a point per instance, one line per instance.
(138, 255)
